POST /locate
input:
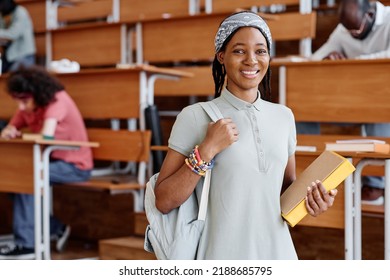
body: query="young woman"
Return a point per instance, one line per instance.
(44, 107)
(250, 151)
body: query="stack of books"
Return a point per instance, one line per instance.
(359, 145)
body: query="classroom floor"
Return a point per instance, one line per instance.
(311, 243)
(328, 244)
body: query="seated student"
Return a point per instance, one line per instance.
(363, 33)
(44, 107)
(16, 36)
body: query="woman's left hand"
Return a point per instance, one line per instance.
(318, 199)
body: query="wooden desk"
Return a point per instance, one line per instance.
(31, 160)
(97, 92)
(201, 84)
(99, 44)
(106, 93)
(354, 91)
(135, 10)
(353, 189)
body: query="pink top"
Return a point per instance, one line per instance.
(70, 126)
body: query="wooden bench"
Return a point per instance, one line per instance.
(123, 146)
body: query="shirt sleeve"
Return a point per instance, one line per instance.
(188, 130)
(333, 44)
(56, 110)
(17, 120)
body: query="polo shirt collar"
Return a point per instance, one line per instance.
(238, 103)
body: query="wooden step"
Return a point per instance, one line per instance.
(124, 248)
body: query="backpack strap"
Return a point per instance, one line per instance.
(215, 114)
(212, 110)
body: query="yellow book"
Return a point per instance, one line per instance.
(330, 168)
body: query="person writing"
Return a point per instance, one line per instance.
(363, 33)
(44, 107)
(250, 166)
(16, 36)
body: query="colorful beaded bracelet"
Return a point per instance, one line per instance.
(196, 164)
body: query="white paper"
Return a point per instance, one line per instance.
(306, 149)
(361, 141)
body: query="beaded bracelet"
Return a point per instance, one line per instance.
(196, 164)
(195, 169)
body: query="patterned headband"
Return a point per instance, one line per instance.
(238, 20)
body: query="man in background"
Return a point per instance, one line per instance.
(363, 32)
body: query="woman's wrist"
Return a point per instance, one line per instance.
(206, 153)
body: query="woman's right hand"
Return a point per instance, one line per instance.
(219, 136)
(10, 132)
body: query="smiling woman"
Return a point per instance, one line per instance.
(246, 63)
(251, 165)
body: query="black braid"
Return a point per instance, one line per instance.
(265, 86)
(219, 74)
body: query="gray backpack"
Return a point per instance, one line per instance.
(176, 235)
